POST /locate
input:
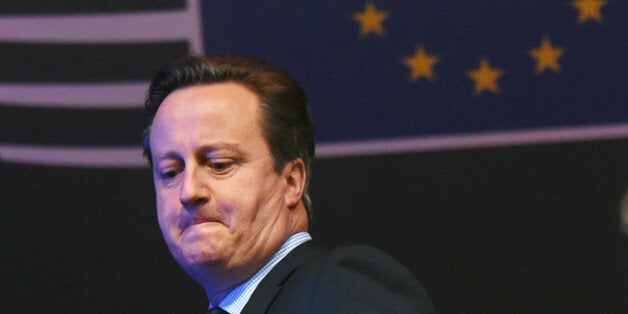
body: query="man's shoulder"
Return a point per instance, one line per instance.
(373, 255)
(349, 259)
(357, 278)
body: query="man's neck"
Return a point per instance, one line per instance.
(237, 297)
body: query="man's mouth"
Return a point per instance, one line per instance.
(199, 222)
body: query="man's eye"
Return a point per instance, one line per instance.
(221, 167)
(169, 173)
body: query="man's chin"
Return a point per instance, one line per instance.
(195, 261)
(199, 251)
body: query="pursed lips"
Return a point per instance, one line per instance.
(187, 222)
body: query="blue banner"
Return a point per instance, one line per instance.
(390, 69)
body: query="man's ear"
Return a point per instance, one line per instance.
(295, 175)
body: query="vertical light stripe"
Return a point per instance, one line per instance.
(123, 27)
(101, 95)
(91, 28)
(89, 157)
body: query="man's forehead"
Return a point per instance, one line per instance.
(224, 100)
(209, 118)
(215, 90)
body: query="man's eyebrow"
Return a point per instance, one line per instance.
(203, 149)
(219, 146)
(169, 155)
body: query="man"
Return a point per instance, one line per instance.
(231, 143)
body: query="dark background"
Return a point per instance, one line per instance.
(515, 229)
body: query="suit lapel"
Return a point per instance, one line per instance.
(271, 285)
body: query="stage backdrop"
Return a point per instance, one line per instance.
(482, 143)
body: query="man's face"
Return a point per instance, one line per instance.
(221, 205)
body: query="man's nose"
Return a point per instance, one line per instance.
(194, 188)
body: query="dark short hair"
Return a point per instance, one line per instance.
(286, 123)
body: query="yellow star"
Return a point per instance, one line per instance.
(421, 64)
(589, 9)
(371, 20)
(485, 77)
(547, 56)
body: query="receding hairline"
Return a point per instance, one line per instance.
(257, 106)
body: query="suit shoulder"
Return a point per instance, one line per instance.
(365, 279)
(372, 254)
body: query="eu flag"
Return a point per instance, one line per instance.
(399, 69)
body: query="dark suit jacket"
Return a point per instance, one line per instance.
(358, 279)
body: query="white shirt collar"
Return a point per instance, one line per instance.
(235, 301)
